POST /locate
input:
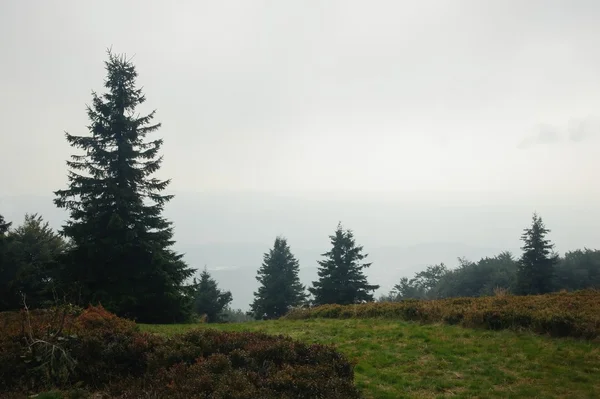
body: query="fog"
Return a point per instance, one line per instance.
(433, 129)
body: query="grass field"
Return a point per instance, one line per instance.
(406, 360)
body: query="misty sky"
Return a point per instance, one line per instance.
(441, 104)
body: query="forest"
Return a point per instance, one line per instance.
(115, 249)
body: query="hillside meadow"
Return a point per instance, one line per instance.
(561, 314)
(67, 353)
(399, 359)
(545, 346)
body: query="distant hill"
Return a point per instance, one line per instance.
(235, 265)
(230, 232)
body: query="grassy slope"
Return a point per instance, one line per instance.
(399, 359)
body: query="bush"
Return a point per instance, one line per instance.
(562, 314)
(243, 365)
(95, 351)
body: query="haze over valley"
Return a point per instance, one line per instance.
(432, 129)
(230, 232)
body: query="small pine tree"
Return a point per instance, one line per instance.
(341, 277)
(4, 226)
(280, 288)
(34, 250)
(210, 300)
(6, 269)
(121, 256)
(535, 272)
(4, 229)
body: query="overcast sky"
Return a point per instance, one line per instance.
(455, 119)
(412, 121)
(453, 96)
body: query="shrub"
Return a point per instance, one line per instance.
(105, 354)
(560, 314)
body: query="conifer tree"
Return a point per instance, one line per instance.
(535, 272)
(280, 288)
(121, 256)
(4, 226)
(6, 268)
(33, 252)
(341, 277)
(4, 230)
(210, 300)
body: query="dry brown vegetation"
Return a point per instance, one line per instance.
(562, 314)
(94, 351)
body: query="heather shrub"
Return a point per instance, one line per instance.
(561, 314)
(33, 349)
(95, 351)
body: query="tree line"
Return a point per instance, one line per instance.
(32, 270)
(115, 248)
(538, 270)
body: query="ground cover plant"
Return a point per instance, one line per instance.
(75, 353)
(562, 314)
(398, 359)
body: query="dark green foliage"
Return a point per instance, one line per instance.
(535, 273)
(121, 254)
(4, 226)
(5, 268)
(405, 289)
(341, 277)
(578, 269)
(430, 277)
(479, 278)
(539, 270)
(4, 229)
(423, 285)
(209, 300)
(280, 288)
(107, 355)
(30, 264)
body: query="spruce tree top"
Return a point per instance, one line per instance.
(4, 226)
(341, 277)
(210, 300)
(112, 178)
(280, 287)
(534, 238)
(535, 274)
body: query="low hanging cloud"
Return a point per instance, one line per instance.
(583, 129)
(543, 134)
(576, 130)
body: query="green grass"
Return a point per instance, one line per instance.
(407, 360)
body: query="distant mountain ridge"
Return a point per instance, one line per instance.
(229, 233)
(235, 266)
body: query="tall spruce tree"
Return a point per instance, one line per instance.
(121, 254)
(341, 277)
(280, 288)
(210, 300)
(535, 272)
